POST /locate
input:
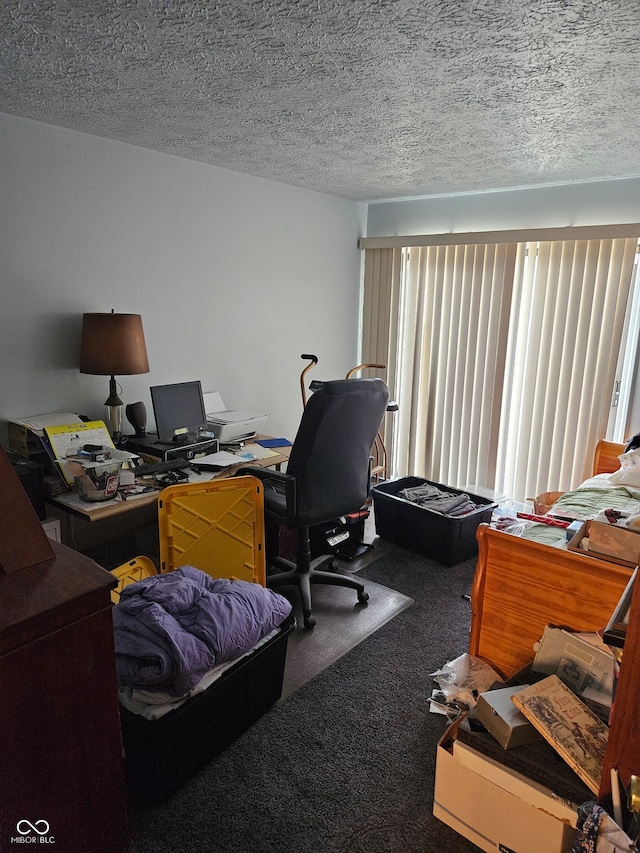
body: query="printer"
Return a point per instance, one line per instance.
(228, 425)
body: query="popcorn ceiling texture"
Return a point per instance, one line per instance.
(366, 99)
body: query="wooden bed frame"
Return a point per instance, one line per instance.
(521, 586)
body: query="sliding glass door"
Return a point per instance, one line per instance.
(503, 356)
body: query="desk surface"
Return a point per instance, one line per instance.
(70, 502)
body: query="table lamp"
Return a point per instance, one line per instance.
(113, 344)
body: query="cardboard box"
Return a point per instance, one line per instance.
(537, 761)
(581, 660)
(530, 792)
(22, 440)
(473, 801)
(607, 542)
(503, 720)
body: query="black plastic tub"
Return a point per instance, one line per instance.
(162, 755)
(445, 539)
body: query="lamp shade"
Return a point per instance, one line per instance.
(113, 344)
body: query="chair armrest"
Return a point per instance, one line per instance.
(277, 481)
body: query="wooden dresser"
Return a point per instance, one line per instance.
(62, 778)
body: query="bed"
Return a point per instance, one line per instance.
(522, 585)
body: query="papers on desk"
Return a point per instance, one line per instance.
(221, 459)
(66, 443)
(255, 451)
(225, 459)
(37, 423)
(66, 440)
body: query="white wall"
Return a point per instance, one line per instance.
(597, 203)
(234, 276)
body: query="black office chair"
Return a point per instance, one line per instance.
(328, 476)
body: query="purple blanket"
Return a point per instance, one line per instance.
(171, 629)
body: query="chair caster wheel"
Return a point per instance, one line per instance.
(363, 597)
(309, 622)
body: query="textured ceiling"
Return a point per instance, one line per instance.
(366, 99)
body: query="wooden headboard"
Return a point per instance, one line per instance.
(521, 586)
(605, 458)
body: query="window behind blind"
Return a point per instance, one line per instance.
(502, 356)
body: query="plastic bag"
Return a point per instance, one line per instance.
(629, 472)
(598, 832)
(461, 680)
(511, 524)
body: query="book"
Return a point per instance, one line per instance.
(575, 732)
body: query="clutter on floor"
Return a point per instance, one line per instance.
(531, 750)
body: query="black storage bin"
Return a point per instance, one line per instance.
(445, 539)
(162, 755)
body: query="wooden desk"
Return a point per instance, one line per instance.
(84, 525)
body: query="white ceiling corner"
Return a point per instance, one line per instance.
(365, 99)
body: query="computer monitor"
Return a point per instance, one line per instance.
(178, 410)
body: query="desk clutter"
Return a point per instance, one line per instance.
(72, 453)
(522, 763)
(84, 455)
(189, 424)
(60, 454)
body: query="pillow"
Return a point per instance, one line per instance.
(629, 472)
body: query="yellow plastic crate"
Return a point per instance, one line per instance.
(216, 526)
(134, 570)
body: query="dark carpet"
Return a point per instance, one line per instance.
(341, 624)
(346, 763)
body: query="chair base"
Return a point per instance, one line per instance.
(293, 576)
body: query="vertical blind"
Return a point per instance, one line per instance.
(501, 355)
(380, 325)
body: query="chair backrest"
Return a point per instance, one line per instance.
(331, 451)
